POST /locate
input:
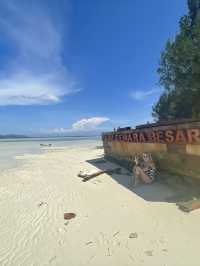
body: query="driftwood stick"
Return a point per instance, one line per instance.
(89, 176)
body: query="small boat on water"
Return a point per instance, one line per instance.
(45, 145)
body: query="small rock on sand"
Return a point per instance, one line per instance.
(88, 243)
(133, 235)
(42, 203)
(69, 215)
(149, 252)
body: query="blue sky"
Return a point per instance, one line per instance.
(68, 67)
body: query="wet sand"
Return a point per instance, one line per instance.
(114, 224)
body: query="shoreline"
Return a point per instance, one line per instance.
(12, 149)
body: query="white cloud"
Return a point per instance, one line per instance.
(36, 73)
(140, 95)
(89, 123)
(83, 125)
(25, 89)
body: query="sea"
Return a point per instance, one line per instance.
(11, 148)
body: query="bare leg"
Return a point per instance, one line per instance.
(145, 178)
(136, 176)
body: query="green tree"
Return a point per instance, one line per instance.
(179, 70)
(193, 6)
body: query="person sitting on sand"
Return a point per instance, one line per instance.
(144, 169)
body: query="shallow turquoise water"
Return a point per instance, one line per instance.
(10, 148)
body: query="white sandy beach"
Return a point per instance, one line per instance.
(113, 226)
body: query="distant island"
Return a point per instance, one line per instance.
(12, 136)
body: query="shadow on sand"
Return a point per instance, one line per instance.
(166, 188)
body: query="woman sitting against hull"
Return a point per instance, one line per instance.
(143, 170)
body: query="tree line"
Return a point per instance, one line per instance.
(179, 70)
